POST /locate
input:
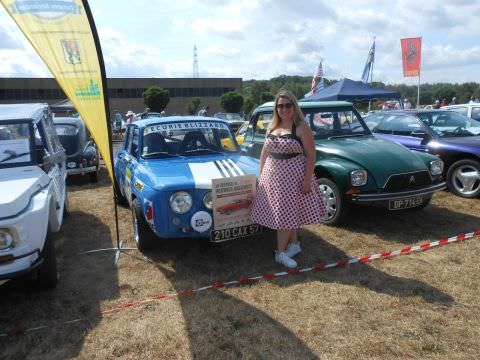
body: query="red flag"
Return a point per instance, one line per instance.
(411, 56)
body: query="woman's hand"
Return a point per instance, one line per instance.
(307, 185)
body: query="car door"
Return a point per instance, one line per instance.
(404, 129)
(120, 160)
(255, 136)
(131, 162)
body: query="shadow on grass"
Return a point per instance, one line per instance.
(82, 182)
(232, 325)
(84, 282)
(410, 226)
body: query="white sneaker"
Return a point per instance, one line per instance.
(293, 249)
(283, 259)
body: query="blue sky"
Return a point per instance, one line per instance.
(261, 39)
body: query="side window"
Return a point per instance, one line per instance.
(398, 125)
(134, 144)
(475, 113)
(128, 137)
(263, 122)
(461, 110)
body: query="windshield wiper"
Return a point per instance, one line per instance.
(13, 155)
(160, 153)
(345, 136)
(202, 150)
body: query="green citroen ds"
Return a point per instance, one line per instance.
(353, 166)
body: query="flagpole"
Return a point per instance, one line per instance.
(418, 92)
(371, 76)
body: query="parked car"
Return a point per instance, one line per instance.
(235, 120)
(354, 167)
(240, 133)
(82, 152)
(33, 200)
(164, 171)
(470, 110)
(449, 135)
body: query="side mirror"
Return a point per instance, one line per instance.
(426, 137)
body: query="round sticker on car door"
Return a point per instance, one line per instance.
(201, 221)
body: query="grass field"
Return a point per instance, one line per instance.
(424, 305)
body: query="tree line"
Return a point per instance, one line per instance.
(256, 92)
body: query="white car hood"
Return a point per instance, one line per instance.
(17, 186)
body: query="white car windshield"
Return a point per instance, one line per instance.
(15, 147)
(450, 124)
(187, 138)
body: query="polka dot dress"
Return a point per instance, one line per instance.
(280, 203)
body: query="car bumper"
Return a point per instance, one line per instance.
(82, 171)
(19, 265)
(364, 198)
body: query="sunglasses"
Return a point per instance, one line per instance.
(285, 106)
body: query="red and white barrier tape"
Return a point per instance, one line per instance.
(217, 285)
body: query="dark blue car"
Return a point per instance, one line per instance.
(453, 137)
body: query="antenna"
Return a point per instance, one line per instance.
(195, 62)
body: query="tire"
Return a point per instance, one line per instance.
(93, 176)
(47, 275)
(143, 235)
(121, 200)
(463, 178)
(337, 207)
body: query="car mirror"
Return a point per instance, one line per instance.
(426, 137)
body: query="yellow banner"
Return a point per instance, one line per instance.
(61, 33)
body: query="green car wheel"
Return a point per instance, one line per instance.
(337, 208)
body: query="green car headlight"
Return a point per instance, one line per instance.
(436, 167)
(181, 202)
(6, 239)
(358, 177)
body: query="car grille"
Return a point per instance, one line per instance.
(408, 181)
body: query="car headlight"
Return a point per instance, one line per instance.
(358, 177)
(180, 202)
(71, 164)
(207, 200)
(6, 239)
(436, 167)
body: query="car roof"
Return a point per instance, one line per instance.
(22, 111)
(192, 118)
(413, 111)
(311, 104)
(67, 120)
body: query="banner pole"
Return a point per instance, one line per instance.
(418, 92)
(96, 40)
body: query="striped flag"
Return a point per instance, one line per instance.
(316, 84)
(369, 63)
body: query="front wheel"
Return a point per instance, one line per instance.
(463, 178)
(47, 273)
(143, 235)
(337, 207)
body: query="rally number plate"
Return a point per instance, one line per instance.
(405, 203)
(235, 233)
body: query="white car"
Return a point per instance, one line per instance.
(33, 200)
(470, 110)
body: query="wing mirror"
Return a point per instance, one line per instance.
(426, 137)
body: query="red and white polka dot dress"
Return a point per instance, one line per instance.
(280, 203)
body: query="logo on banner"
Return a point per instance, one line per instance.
(71, 51)
(92, 91)
(48, 10)
(412, 51)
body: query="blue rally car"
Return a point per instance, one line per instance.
(164, 171)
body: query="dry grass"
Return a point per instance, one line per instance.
(419, 306)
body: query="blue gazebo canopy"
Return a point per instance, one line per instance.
(349, 90)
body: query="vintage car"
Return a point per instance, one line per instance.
(33, 201)
(164, 171)
(453, 137)
(233, 119)
(354, 167)
(234, 206)
(82, 152)
(472, 110)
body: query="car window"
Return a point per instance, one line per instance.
(398, 125)
(335, 123)
(461, 110)
(449, 123)
(15, 144)
(475, 113)
(133, 149)
(242, 130)
(128, 138)
(262, 124)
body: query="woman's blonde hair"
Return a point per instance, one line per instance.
(297, 113)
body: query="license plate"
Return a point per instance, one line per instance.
(405, 203)
(235, 233)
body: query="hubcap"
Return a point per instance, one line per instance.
(466, 179)
(330, 200)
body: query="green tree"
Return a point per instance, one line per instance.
(156, 98)
(231, 102)
(266, 96)
(194, 105)
(248, 106)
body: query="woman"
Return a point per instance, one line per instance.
(287, 194)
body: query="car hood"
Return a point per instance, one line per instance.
(22, 183)
(468, 143)
(195, 171)
(380, 157)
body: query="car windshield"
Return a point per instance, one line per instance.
(66, 129)
(450, 124)
(335, 124)
(15, 146)
(229, 116)
(187, 139)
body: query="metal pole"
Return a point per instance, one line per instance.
(418, 92)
